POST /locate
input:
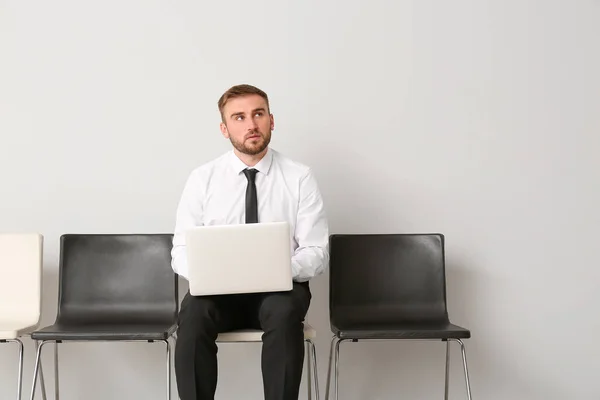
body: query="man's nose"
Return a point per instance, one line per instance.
(252, 124)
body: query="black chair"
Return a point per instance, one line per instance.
(389, 287)
(113, 288)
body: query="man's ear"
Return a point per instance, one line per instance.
(224, 130)
(272, 121)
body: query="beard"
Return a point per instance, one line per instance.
(252, 149)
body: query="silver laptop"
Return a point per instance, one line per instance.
(245, 258)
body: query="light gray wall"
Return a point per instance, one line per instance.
(475, 118)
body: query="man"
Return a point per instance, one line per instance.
(252, 183)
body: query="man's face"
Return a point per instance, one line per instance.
(247, 124)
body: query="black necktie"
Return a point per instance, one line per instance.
(251, 202)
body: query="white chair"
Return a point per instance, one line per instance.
(20, 291)
(254, 335)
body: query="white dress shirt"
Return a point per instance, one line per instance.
(215, 194)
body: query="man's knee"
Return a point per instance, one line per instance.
(197, 316)
(280, 309)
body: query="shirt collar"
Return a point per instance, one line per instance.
(263, 166)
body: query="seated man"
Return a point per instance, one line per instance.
(252, 183)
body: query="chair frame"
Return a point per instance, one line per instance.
(334, 356)
(40, 345)
(20, 345)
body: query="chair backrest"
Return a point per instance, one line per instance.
(383, 279)
(108, 278)
(21, 258)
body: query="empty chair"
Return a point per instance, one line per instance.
(389, 287)
(114, 288)
(255, 335)
(20, 290)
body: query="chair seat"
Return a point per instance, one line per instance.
(12, 330)
(255, 335)
(103, 332)
(403, 331)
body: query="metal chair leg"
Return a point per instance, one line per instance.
(336, 376)
(20, 380)
(329, 366)
(56, 384)
(168, 368)
(313, 359)
(37, 367)
(466, 369)
(20, 371)
(308, 369)
(42, 383)
(447, 369)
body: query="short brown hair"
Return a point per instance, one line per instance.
(239, 91)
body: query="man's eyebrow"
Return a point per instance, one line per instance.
(236, 114)
(241, 113)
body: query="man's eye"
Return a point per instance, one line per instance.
(259, 114)
(239, 118)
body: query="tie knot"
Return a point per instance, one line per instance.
(250, 174)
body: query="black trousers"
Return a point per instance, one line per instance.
(280, 315)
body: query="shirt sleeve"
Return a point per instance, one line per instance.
(189, 214)
(312, 233)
